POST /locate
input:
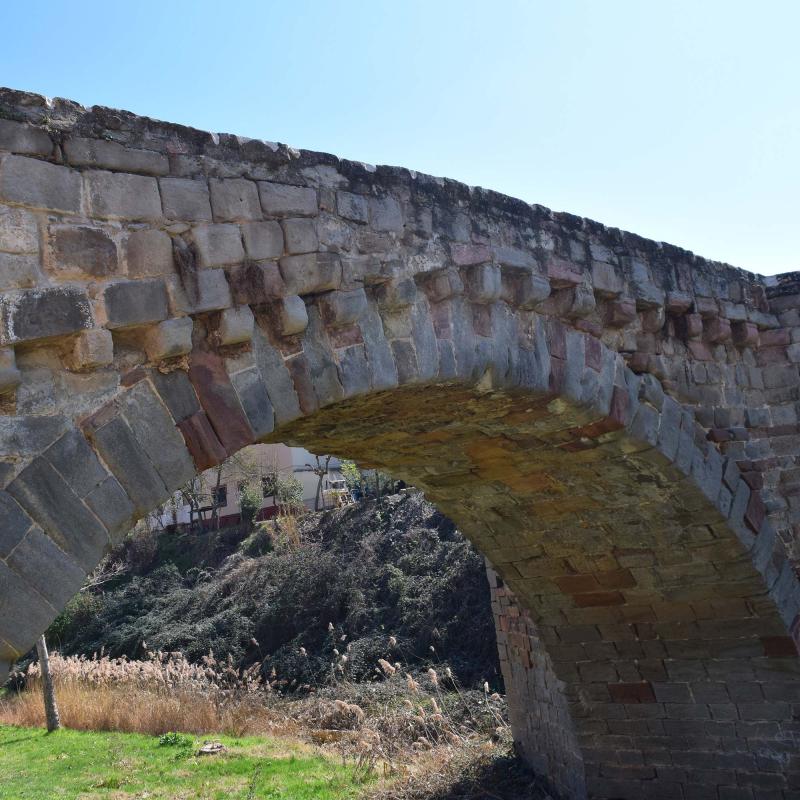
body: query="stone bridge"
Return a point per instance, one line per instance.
(612, 421)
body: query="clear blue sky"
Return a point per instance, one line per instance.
(677, 120)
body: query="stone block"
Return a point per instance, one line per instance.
(168, 339)
(155, 432)
(17, 137)
(343, 308)
(678, 302)
(19, 231)
(76, 462)
(514, 257)
(442, 285)
(177, 393)
(282, 200)
(254, 398)
(149, 254)
(121, 451)
(16, 524)
(465, 254)
(620, 313)
(39, 184)
(19, 271)
(210, 292)
(717, 330)
(110, 155)
(607, 279)
(10, 376)
(292, 315)
(24, 613)
(352, 206)
(185, 199)
(42, 565)
(81, 249)
(256, 284)
(43, 313)
(27, 435)
(311, 273)
(113, 508)
(235, 326)
(385, 214)
(49, 500)
(524, 289)
(300, 236)
(234, 199)
(118, 195)
(133, 303)
(203, 445)
(218, 245)
(273, 369)
(262, 240)
(92, 349)
(219, 400)
(482, 283)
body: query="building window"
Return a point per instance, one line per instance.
(219, 496)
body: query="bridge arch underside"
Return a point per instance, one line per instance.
(643, 647)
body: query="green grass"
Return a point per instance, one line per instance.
(35, 765)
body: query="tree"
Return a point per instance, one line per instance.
(50, 707)
(320, 471)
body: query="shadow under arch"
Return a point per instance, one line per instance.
(642, 627)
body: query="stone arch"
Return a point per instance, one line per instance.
(202, 294)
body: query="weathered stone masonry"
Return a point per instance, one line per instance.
(613, 421)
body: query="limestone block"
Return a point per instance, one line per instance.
(211, 292)
(132, 303)
(43, 313)
(17, 137)
(236, 325)
(91, 349)
(234, 199)
(352, 206)
(282, 200)
(10, 376)
(645, 292)
(255, 284)
(31, 182)
(482, 283)
(19, 232)
(583, 302)
(313, 272)
(300, 236)
(79, 248)
(118, 195)
(524, 289)
(292, 315)
(385, 214)
(114, 156)
(149, 253)
(185, 199)
(620, 313)
(396, 295)
(18, 271)
(168, 339)
(343, 308)
(717, 329)
(262, 240)
(218, 245)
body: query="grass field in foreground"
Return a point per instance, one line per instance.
(35, 765)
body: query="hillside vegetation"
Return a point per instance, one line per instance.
(312, 601)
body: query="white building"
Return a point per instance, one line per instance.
(219, 488)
